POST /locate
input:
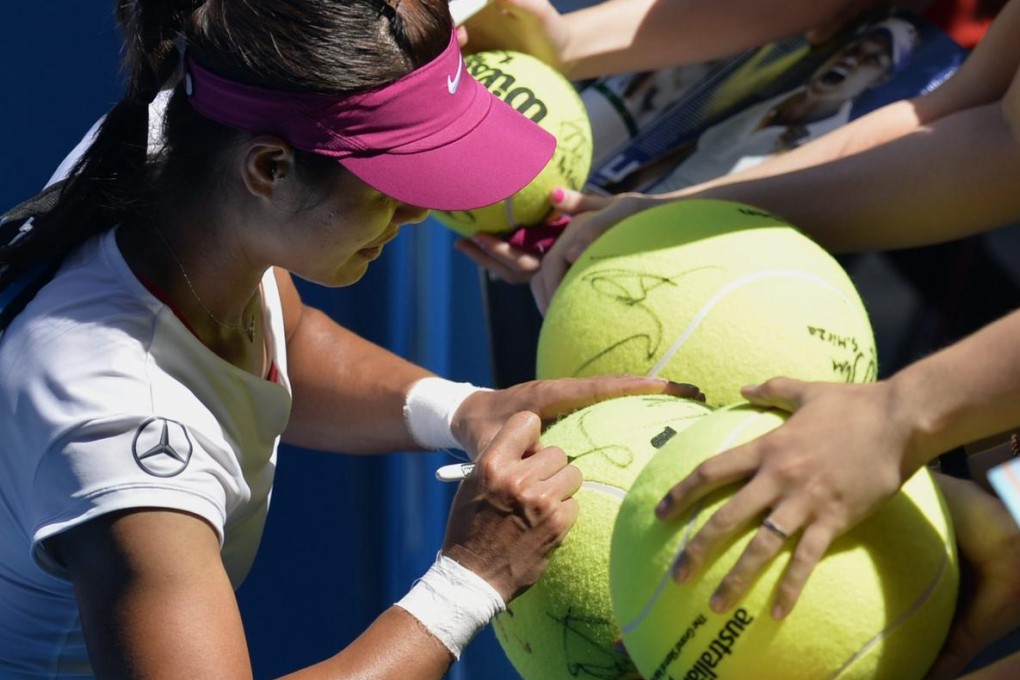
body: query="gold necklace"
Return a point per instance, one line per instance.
(248, 329)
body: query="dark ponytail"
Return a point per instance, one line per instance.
(337, 46)
(102, 187)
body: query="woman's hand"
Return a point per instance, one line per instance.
(592, 215)
(586, 217)
(514, 508)
(989, 545)
(831, 464)
(534, 27)
(483, 413)
(499, 258)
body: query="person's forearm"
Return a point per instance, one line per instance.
(1007, 668)
(879, 127)
(394, 646)
(920, 171)
(621, 36)
(962, 393)
(348, 392)
(908, 192)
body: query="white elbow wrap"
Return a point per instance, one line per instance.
(453, 603)
(429, 408)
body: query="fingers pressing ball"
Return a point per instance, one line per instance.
(878, 605)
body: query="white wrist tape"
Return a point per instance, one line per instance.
(429, 408)
(453, 603)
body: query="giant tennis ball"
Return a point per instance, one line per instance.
(562, 627)
(877, 606)
(713, 293)
(542, 94)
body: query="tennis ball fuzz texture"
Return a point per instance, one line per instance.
(562, 627)
(542, 94)
(713, 293)
(877, 606)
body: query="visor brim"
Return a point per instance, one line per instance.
(498, 157)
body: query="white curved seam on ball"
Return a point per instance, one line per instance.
(664, 579)
(723, 292)
(900, 620)
(688, 530)
(508, 210)
(605, 488)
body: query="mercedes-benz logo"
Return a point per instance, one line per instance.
(162, 447)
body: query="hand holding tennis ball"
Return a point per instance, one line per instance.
(563, 627)
(542, 94)
(716, 293)
(878, 605)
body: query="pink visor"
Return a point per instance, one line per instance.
(435, 138)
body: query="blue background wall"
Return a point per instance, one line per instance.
(346, 536)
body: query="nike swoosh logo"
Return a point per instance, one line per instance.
(453, 83)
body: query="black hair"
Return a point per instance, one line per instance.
(332, 46)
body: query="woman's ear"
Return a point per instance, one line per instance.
(268, 162)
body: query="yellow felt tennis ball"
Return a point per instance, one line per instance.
(878, 605)
(562, 627)
(546, 97)
(713, 293)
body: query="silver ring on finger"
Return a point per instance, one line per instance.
(776, 529)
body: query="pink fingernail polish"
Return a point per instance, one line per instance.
(557, 195)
